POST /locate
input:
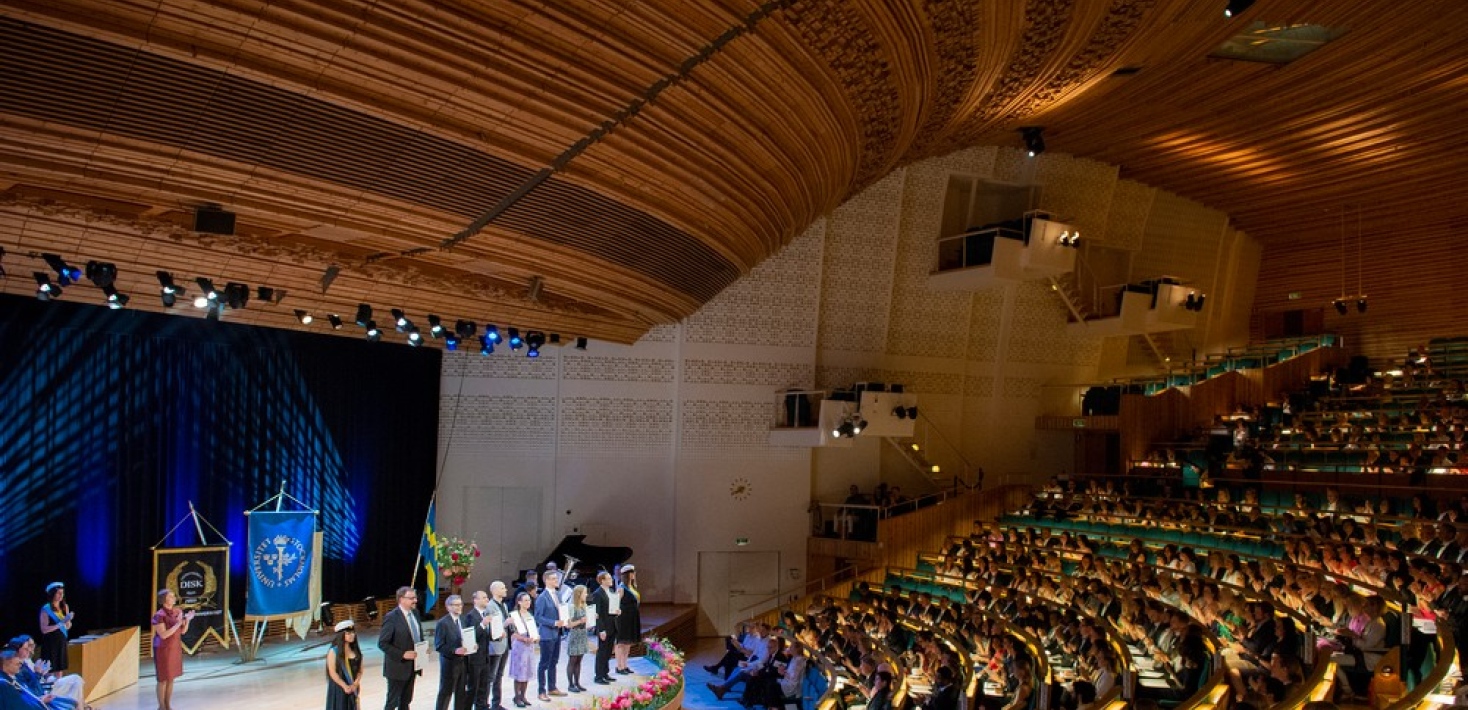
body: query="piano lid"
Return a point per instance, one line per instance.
(581, 561)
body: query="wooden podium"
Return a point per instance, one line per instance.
(106, 660)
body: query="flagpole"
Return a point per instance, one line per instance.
(418, 561)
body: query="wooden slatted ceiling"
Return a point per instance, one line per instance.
(458, 101)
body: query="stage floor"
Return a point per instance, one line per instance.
(291, 675)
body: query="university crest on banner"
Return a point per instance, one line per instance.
(281, 556)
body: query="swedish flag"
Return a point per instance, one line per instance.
(428, 549)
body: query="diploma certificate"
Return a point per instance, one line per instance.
(420, 655)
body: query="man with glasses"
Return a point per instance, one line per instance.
(400, 641)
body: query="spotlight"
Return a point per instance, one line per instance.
(400, 320)
(364, 314)
(465, 328)
(486, 345)
(1202, 297)
(860, 425)
(335, 320)
(115, 301)
(168, 290)
(846, 430)
(435, 326)
(1340, 306)
(236, 295)
(581, 343)
(415, 338)
(373, 334)
(899, 412)
(492, 332)
(451, 341)
(2, 266)
(207, 287)
(265, 294)
(555, 339)
(912, 412)
(304, 317)
(201, 302)
(515, 341)
(102, 273)
(45, 290)
(1236, 7)
(1361, 305)
(66, 273)
(534, 340)
(1034, 140)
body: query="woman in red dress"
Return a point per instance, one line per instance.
(169, 625)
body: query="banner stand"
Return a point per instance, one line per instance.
(250, 650)
(230, 627)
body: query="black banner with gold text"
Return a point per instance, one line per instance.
(199, 576)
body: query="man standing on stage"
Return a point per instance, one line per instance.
(448, 640)
(399, 640)
(487, 665)
(548, 616)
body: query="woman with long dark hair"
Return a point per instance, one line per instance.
(56, 619)
(629, 622)
(524, 640)
(344, 669)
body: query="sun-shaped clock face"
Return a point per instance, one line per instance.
(740, 488)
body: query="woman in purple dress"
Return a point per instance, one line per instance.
(524, 640)
(169, 626)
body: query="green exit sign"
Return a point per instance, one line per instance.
(1079, 423)
(1295, 295)
(741, 541)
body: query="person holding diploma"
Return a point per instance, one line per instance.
(576, 645)
(480, 664)
(169, 625)
(523, 638)
(56, 619)
(344, 669)
(629, 622)
(606, 600)
(452, 644)
(550, 617)
(401, 642)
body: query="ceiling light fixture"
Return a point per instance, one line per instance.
(304, 317)
(1034, 138)
(168, 291)
(66, 273)
(45, 290)
(364, 315)
(1234, 8)
(116, 301)
(335, 320)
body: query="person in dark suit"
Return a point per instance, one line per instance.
(487, 666)
(606, 628)
(945, 691)
(448, 640)
(400, 630)
(881, 692)
(548, 620)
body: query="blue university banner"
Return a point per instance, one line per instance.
(280, 563)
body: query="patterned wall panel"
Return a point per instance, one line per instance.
(922, 321)
(977, 387)
(665, 333)
(913, 381)
(986, 315)
(618, 369)
(1022, 387)
(729, 426)
(776, 304)
(1181, 240)
(615, 424)
(503, 364)
(1038, 332)
(856, 286)
(1011, 165)
(511, 424)
(1127, 220)
(735, 372)
(1078, 190)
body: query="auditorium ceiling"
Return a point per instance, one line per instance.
(594, 168)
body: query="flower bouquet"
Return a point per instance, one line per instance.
(455, 558)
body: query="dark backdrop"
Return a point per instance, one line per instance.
(111, 422)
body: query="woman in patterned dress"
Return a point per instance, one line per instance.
(169, 626)
(576, 645)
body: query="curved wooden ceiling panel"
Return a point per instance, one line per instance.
(639, 157)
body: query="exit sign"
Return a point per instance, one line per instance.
(1295, 295)
(1079, 423)
(741, 541)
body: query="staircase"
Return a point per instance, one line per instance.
(912, 451)
(1069, 291)
(934, 457)
(1162, 348)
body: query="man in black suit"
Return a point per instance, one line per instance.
(945, 692)
(400, 631)
(448, 640)
(606, 629)
(487, 665)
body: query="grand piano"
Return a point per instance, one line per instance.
(581, 561)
